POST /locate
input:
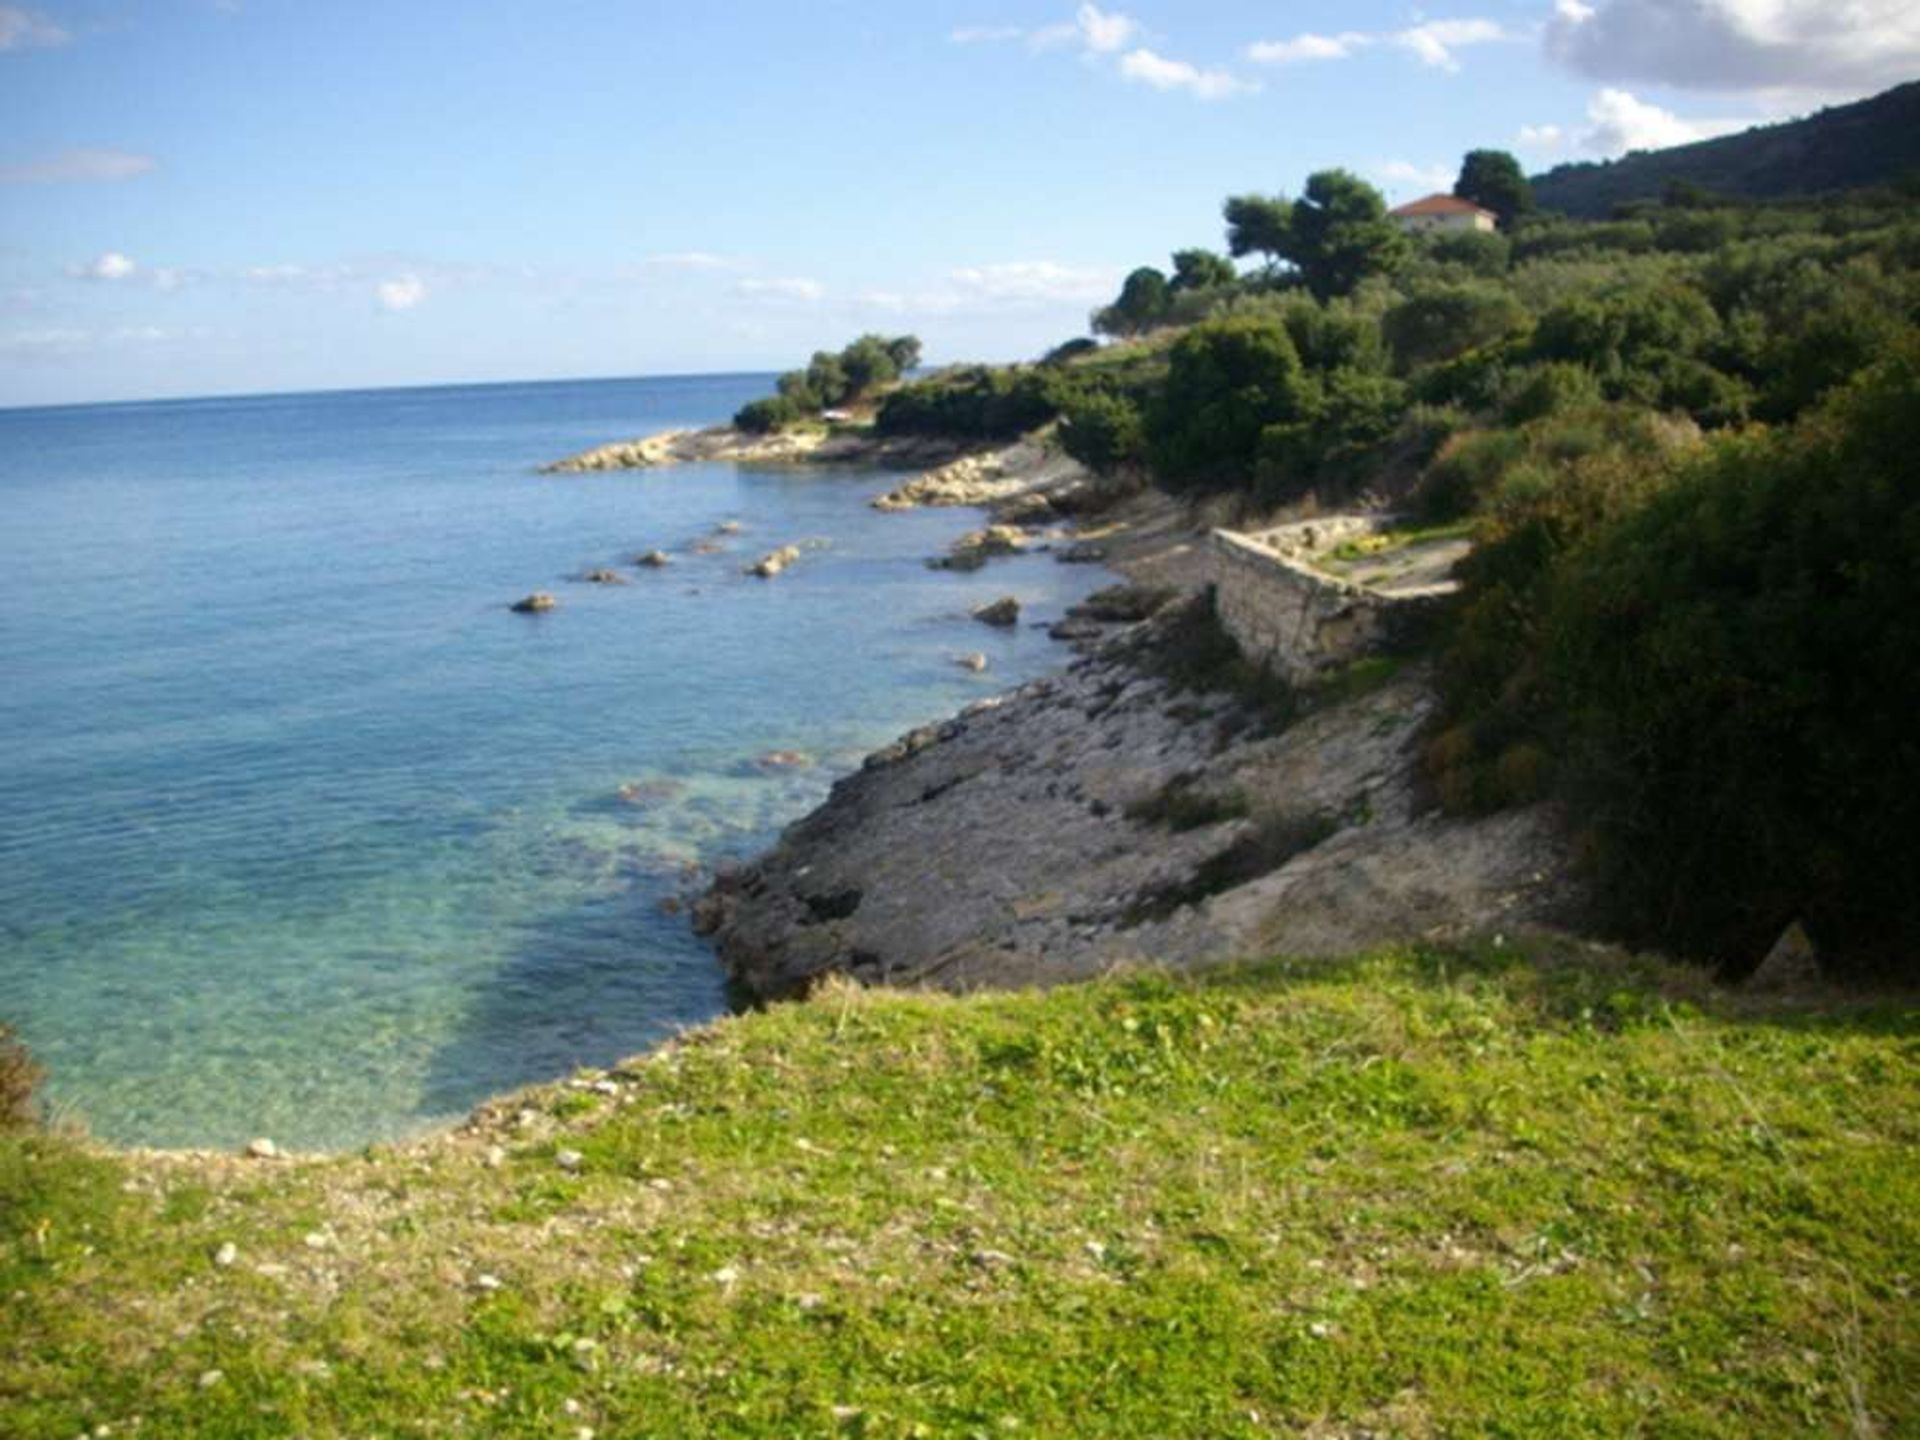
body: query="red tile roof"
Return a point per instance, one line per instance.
(1440, 205)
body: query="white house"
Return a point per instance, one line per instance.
(1443, 212)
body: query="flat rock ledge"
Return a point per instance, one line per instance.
(1031, 840)
(724, 444)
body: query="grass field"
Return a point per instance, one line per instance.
(1535, 1190)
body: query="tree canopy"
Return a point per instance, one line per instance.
(1493, 180)
(1335, 235)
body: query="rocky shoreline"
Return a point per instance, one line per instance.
(1110, 815)
(1123, 812)
(724, 444)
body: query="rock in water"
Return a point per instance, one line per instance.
(534, 604)
(1002, 612)
(774, 561)
(727, 527)
(603, 577)
(654, 559)
(975, 662)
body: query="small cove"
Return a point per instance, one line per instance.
(305, 835)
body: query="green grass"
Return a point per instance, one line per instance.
(1421, 1193)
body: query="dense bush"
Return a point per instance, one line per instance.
(830, 379)
(1445, 321)
(976, 401)
(1738, 665)
(1228, 380)
(1103, 430)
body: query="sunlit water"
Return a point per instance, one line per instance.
(303, 834)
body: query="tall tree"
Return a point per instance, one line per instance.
(1336, 234)
(1493, 180)
(1201, 270)
(1141, 306)
(1339, 234)
(1258, 225)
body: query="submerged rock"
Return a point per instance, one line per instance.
(1002, 612)
(603, 577)
(727, 527)
(975, 662)
(534, 604)
(784, 760)
(654, 559)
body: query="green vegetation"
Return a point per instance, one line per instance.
(830, 379)
(1848, 147)
(19, 1078)
(1493, 180)
(1334, 236)
(1426, 1192)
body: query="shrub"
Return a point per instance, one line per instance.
(1102, 430)
(978, 401)
(763, 417)
(1228, 381)
(1543, 390)
(1441, 323)
(1739, 664)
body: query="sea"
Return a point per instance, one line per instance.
(304, 834)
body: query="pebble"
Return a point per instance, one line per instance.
(569, 1160)
(226, 1254)
(262, 1149)
(316, 1240)
(210, 1378)
(489, 1283)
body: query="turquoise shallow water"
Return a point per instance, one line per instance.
(302, 834)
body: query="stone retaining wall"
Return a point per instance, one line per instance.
(1300, 621)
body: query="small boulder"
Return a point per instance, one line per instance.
(537, 603)
(774, 561)
(975, 662)
(706, 547)
(727, 527)
(569, 1160)
(226, 1254)
(654, 560)
(604, 577)
(262, 1149)
(1002, 612)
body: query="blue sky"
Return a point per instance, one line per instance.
(219, 196)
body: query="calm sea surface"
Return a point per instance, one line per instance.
(302, 834)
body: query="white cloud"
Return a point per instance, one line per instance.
(1023, 281)
(1542, 138)
(46, 340)
(1148, 68)
(110, 266)
(79, 166)
(1620, 122)
(23, 29)
(1435, 41)
(1092, 30)
(1828, 47)
(1009, 286)
(403, 292)
(1432, 42)
(1308, 47)
(782, 288)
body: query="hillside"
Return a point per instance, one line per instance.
(1870, 142)
(1533, 1189)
